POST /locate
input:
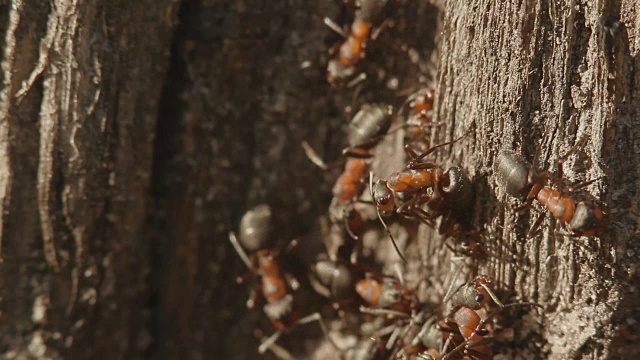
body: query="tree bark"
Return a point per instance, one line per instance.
(135, 134)
(523, 75)
(79, 103)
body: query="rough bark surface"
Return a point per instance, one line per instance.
(134, 135)
(79, 103)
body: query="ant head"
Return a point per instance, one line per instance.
(513, 173)
(337, 277)
(280, 309)
(423, 100)
(255, 228)
(383, 197)
(471, 296)
(588, 219)
(345, 214)
(455, 184)
(368, 126)
(339, 74)
(390, 293)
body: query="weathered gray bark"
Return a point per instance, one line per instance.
(130, 190)
(516, 74)
(79, 100)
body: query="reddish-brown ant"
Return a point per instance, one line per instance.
(275, 285)
(366, 129)
(419, 119)
(442, 192)
(345, 56)
(466, 324)
(583, 218)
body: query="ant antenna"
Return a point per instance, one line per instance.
(335, 27)
(345, 218)
(313, 156)
(393, 240)
(450, 291)
(492, 294)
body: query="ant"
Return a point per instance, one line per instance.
(347, 55)
(582, 218)
(367, 127)
(275, 285)
(444, 193)
(420, 106)
(465, 327)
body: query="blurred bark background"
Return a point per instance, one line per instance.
(135, 134)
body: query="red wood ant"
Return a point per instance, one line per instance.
(346, 56)
(444, 193)
(275, 285)
(420, 106)
(583, 218)
(466, 324)
(366, 129)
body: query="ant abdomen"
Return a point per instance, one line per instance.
(255, 228)
(368, 126)
(338, 278)
(513, 173)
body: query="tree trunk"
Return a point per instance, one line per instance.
(135, 134)
(523, 75)
(81, 84)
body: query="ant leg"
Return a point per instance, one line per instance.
(253, 298)
(277, 350)
(317, 160)
(411, 151)
(383, 312)
(293, 283)
(269, 341)
(398, 271)
(356, 153)
(243, 255)
(526, 205)
(393, 240)
(349, 230)
(492, 295)
(357, 80)
(355, 251)
(317, 317)
(376, 32)
(243, 278)
(535, 228)
(584, 184)
(335, 27)
(291, 245)
(422, 166)
(434, 148)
